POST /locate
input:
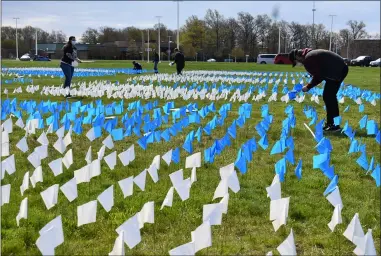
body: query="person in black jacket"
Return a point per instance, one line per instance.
(137, 66)
(328, 66)
(155, 61)
(68, 61)
(179, 60)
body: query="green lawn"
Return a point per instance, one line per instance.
(246, 229)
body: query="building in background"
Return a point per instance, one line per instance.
(362, 47)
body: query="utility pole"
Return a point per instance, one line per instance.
(142, 45)
(158, 32)
(148, 47)
(279, 39)
(178, 25)
(17, 41)
(36, 44)
(169, 48)
(313, 25)
(330, 37)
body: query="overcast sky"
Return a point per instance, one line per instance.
(74, 17)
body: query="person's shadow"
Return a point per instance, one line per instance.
(358, 133)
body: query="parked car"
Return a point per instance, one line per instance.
(282, 58)
(266, 58)
(25, 57)
(375, 63)
(40, 58)
(347, 61)
(211, 60)
(361, 61)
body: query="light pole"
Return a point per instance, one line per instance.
(229, 57)
(178, 25)
(330, 37)
(148, 46)
(169, 48)
(36, 44)
(17, 41)
(158, 33)
(142, 45)
(313, 25)
(279, 39)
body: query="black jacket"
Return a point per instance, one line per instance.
(324, 65)
(156, 57)
(69, 54)
(179, 59)
(137, 66)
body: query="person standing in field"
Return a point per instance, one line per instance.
(68, 61)
(328, 66)
(155, 61)
(179, 60)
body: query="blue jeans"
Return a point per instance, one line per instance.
(68, 71)
(155, 66)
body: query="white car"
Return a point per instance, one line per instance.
(375, 63)
(211, 60)
(266, 58)
(25, 57)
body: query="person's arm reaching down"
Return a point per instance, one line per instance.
(312, 67)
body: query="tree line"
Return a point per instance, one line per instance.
(213, 36)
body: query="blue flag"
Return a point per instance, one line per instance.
(188, 146)
(362, 161)
(117, 134)
(240, 163)
(354, 147)
(337, 120)
(332, 185)
(166, 135)
(198, 134)
(378, 137)
(319, 160)
(371, 164)
(176, 155)
(277, 148)
(263, 142)
(290, 156)
(143, 142)
(232, 130)
(363, 121)
(371, 127)
(298, 170)
(361, 108)
(280, 168)
(376, 175)
(290, 142)
(324, 146)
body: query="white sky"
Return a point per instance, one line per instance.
(74, 17)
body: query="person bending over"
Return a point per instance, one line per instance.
(323, 65)
(137, 66)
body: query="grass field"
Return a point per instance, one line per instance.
(246, 228)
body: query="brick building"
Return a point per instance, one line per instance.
(362, 47)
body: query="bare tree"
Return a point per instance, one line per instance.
(357, 29)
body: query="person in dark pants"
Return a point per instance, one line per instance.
(328, 66)
(68, 61)
(155, 61)
(180, 61)
(137, 66)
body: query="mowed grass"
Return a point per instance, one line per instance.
(246, 229)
